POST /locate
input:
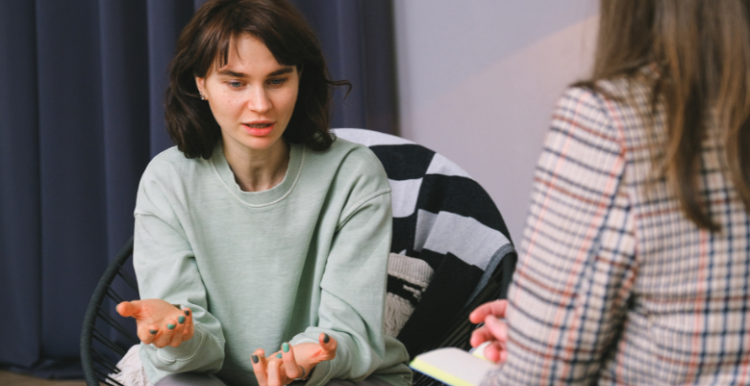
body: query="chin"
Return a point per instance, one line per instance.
(261, 143)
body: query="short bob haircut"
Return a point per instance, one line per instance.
(205, 42)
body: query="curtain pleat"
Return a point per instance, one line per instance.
(81, 115)
(125, 108)
(20, 210)
(330, 19)
(357, 40)
(378, 65)
(166, 18)
(72, 187)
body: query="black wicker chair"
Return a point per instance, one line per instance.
(106, 336)
(460, 330)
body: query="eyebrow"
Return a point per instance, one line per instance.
(278, 72)
(285, 70)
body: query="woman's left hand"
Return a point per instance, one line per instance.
(292, 362)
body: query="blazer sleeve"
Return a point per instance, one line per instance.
(577, 267)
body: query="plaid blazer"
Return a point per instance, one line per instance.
(614, 284)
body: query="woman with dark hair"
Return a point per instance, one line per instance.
(259, 232)
(635, 263)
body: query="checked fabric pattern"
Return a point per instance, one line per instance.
(614, 286)
(443, 218)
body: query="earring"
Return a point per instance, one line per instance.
(202, 97)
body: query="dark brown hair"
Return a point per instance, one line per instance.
(205, 42)
(701, 51)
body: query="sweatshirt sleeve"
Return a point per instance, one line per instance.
(166, 269)
(353, 292)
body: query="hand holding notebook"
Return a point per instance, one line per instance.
(457, 367)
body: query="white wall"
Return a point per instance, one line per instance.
(478, 80)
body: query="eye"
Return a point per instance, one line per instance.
(277, 81)
(234, 84)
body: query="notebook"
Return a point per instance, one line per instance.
(453, 366)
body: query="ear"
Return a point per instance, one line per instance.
(200, 83)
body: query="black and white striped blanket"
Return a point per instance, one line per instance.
(448, 236)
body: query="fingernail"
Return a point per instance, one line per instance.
(181, 319)
(326, 338)
(255, 358)
(187, 312)
(278, 355)
(171, 326)
(285, 346)
(153, 332)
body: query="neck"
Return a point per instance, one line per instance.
(256, 171)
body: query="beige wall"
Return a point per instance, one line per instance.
(478, 80)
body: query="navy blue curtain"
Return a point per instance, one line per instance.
(357, 40)
(81, 115)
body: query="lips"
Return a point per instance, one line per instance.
(260, 129)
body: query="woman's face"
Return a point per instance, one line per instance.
(252, 97)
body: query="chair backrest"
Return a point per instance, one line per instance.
(441, 217)
(445, 218)
(106, 336)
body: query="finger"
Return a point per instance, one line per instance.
(496, 308)
(189, 328)
(494, 351)
(480, 335)
(274, 371)
(147, 333)
(179, 334)
(176, 339)
(259, 367)
(497, 327)
(503, 356)
(165, 334)
(328, 344)
(128, 309)
(291, 367)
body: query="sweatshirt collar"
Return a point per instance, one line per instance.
(266, 197)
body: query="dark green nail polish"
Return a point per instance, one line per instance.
(278, 355)
(285, 346)
(153, 332)
(326, 338)
(187, 312)
(255, 358)
(181, 319)
(171, 326)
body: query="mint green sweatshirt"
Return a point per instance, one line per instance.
(262, 268)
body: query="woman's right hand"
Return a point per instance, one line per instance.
(159, 322)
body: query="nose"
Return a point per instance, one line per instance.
(258, 100)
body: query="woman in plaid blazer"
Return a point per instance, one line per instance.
(635, 261)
